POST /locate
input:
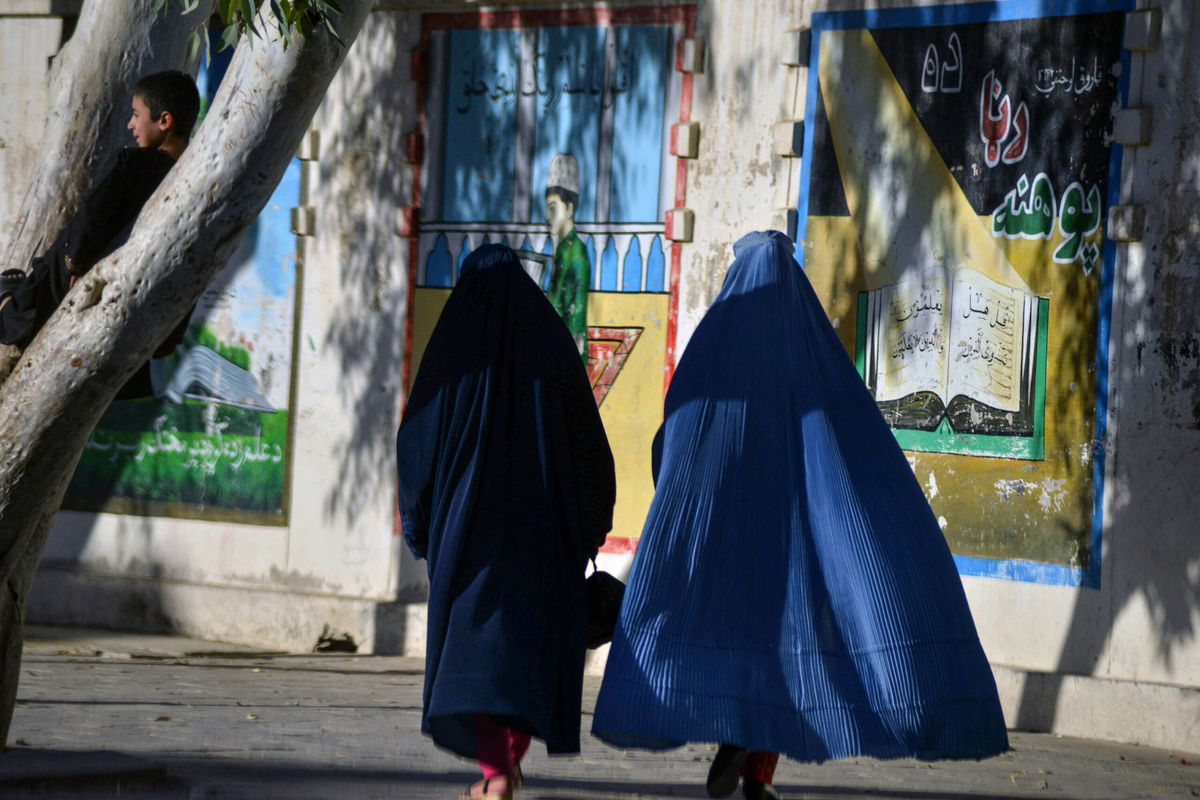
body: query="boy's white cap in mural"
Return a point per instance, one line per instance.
(564, 174)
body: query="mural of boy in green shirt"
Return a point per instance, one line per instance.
(572, 273)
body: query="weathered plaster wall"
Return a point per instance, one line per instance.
(737, 184)
(1155, 402)
(30, 36)
(355, 290)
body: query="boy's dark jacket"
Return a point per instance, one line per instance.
(101, 225)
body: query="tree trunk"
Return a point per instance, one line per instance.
(111, 321)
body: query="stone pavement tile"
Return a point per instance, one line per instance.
(347, 727)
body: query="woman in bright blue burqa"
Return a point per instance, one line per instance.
(506, 487)
(792, 591)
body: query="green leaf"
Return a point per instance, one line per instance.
(193, 46)
(333, 31)
(207, 46)
(229, 38)
(248, 16)
(284, 27)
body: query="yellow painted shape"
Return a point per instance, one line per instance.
(833, 265)
(427, 308)
(910, 213)
(632, 410)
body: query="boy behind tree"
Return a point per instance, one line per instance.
(164, 110)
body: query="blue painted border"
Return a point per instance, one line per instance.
(1013, 569)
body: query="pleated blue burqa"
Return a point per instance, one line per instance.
(506, 486)
(792, 591)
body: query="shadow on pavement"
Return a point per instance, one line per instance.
(75, 773)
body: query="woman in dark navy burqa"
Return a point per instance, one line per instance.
(792, 591)
(506, 487)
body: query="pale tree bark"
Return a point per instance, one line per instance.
(114, 317)
(114, 44)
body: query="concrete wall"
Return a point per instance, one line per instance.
(1118, 660)
(32, 32)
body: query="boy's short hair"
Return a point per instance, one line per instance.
(172, 91)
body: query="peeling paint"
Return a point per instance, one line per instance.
(1007, 489)
(1053, 491)
(932, 487)
(1054, 494)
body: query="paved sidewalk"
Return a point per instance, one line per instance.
(114, 715)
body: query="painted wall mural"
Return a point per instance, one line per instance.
(547, 130)
(958, 167)
(213, 442)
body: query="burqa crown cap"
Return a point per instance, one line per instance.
(487, 256)
(756, 238)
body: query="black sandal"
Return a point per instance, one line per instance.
(725, 770)
(755, 790)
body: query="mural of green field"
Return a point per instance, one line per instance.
(197, 459)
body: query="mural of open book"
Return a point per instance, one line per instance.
(205, 375)
(956, 353)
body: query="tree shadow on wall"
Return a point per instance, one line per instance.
(1150, 555)
(364, 181)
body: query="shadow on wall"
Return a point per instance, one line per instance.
(1151, 552)
(64, 593)
(364, 182)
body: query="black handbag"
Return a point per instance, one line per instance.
(604, 595)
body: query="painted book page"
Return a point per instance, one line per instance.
(912, 355)
(986, 332)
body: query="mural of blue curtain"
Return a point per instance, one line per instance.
(643, 56)
(481, 124)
